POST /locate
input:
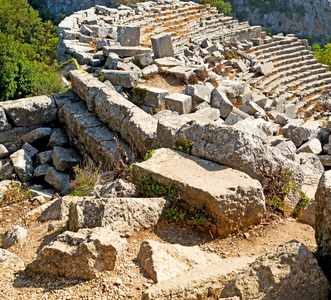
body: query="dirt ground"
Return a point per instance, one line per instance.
(130, 280)
(169, 83)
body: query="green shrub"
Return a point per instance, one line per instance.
(85, 180)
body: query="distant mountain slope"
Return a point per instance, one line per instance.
(302, 17)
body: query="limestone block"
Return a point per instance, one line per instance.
(296, 267)
(134, 125)
(144, 60)
(179, 102)
(23, 165)
(126, 79)
(154, 257)
(287, 148)
(58, 138)
(82, 254)
(251, 126)
(31, 111)
(181, 72)
(220, 101)
(311, 162)
(241, 151)
(30, 150)
(150, 95)
(162, 45)
(6, 168)
(112, 61)
(41, 170)
(149, 70)
(37, 134)
(3, 151)
(199, 92)
(4, 124)
(121, 215)
(64, 159)
(45, 157)
(292, 123)
(8, 259)
(322, 215)
(313, 146)
(251, 108)
(193, 182)
(265, 69)
(290, 111)
(304, 133)
(128, 35)
(60, 181)
(240, 65)
(209, 112)
(205, 280)
(13, 236)
(127, 51)
(232, 119)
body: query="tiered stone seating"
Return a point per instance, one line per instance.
(296, 75)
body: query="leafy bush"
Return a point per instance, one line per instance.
(323, 55)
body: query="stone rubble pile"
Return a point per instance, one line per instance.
(34, 146)
(250, 110)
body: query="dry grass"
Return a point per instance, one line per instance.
(15, 193)
(166, 82)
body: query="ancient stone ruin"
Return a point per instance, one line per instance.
(154, 78)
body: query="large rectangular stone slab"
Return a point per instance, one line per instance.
(134, 125)
(230, 197)
(31, 111)
(162, 45)
(128, 35)
(125, 51)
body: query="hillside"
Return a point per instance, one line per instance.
(305, 18)
(27, 52)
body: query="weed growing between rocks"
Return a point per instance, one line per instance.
(148, 154)
(16, 193)
(179, 211)
(85, 180)
(184, 146)
(277, 186)
(66, 226)
(305, 200)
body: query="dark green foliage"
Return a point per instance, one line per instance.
(323, 55)
(27, 52)
(305, 200)
(222, 6)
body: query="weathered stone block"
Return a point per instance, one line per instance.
(121, 215)
(23, 165)
(60, 181)
(162, 45)
(220, 101)
(31, 111)
(64, 159)
(82, 254)
(128, 35)
(179, 102)
(235, 191)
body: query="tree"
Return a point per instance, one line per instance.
(27, 52)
